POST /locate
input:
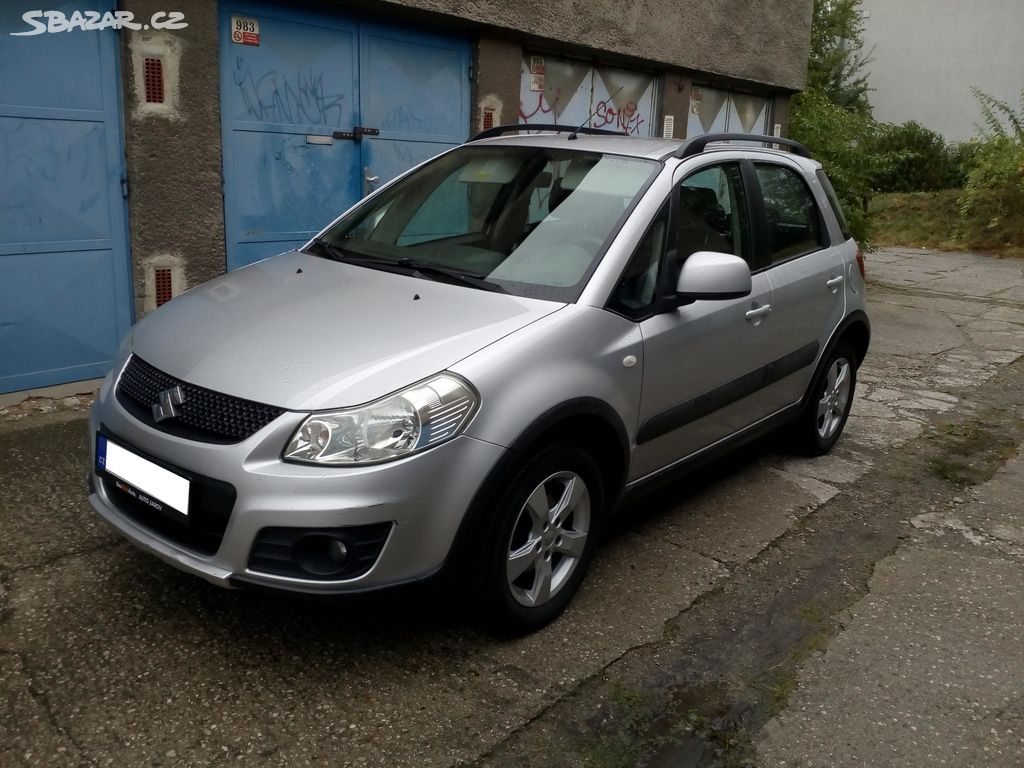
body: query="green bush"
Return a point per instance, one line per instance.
(992, 205)
(917, 159)
(963, 158)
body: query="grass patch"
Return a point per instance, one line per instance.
(971, 453)
(618, 743)
(931, 220)
(915, 219)
(637, 724)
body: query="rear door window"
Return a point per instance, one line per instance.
(791, 214)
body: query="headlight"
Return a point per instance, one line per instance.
(419, 417)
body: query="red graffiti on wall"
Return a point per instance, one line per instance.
(627, 119)
(542, 107)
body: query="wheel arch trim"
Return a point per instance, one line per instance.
(856, 318)
(505, 467)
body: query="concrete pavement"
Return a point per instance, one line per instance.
(929, 668)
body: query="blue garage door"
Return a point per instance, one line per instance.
(296, 90)
(64, 270)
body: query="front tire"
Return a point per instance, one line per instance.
(830, 402)
(541, 539)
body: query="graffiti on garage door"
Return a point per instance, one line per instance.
(554, 90)
(318, 109)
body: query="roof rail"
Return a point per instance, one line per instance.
(499, 130)
(697, 144)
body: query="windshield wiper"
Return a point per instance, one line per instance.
(406, 266)
(335, 252)
(456, 275)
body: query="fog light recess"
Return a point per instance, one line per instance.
(321, 554)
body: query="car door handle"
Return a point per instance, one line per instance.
(757, 313)
(834, 283)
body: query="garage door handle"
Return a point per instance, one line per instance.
(834, 283)
(368, 181)
(759, 312)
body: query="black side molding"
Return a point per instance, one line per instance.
(684, 413)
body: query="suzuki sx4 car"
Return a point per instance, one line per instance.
(476, 364)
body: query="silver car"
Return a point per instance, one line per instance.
(475, 365)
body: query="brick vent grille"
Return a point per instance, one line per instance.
(164, 286)
(206, 416)
(153, 78)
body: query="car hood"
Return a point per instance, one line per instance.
(304, 333)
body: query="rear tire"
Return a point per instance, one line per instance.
(828, 406)
(538, 545)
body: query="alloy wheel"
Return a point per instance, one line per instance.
(548, 539)
(835, 398)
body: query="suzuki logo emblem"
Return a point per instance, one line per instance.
(168, 407)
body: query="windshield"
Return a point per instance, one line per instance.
(524, 220)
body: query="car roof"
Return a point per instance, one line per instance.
(634, 146)
(654, 149)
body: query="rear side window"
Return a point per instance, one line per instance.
(794, 223)
(833, 200)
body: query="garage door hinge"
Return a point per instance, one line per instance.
(124, 187)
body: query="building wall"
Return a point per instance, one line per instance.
(927, 55)
(763, 41)
(496, 80)
(175, 205)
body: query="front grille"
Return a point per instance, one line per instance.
(205, 415)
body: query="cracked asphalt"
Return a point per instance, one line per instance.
(863, 608)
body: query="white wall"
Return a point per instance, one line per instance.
(928, 53)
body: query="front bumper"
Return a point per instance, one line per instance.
(424, 497)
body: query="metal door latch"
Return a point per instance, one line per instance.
(356, 133)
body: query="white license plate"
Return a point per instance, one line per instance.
(148, 482)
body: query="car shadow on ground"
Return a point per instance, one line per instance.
(669, 497)
(435, 611)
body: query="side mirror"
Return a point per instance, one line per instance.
(709, 275)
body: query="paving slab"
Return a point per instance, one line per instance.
(928, 672)
(899, 330)
(734, 520)
(929, 667)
